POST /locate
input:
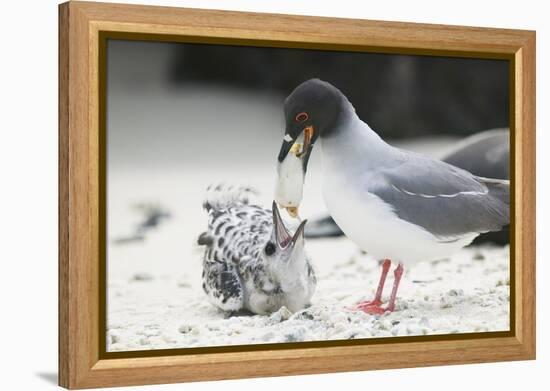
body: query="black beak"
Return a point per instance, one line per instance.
(299, 234)
(281, 233)
(305, 150)
(283, 237)
(285, 149)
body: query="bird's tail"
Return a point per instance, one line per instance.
(222, 196)
(499, 189)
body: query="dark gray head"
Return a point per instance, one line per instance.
(314, 109)
(283, 247)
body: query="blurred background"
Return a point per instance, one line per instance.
(400, 96)
(209, 112)
(183, 116)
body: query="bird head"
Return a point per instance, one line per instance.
(284, 250)
(314, 109)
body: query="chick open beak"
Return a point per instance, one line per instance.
(299, 234)
(282, 235)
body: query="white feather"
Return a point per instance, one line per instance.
(370, 222)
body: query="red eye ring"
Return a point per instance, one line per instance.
(301, 117)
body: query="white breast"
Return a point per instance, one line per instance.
(372, 224)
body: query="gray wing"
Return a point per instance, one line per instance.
(222, 285)
(445, 200)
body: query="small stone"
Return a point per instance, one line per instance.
(304, 315)
(184, 329)
(385, 325)
(280, 316)
(115, 338)
(478, 256)
(144, 341)
(455, 292)
(297, 335)
(142, 277)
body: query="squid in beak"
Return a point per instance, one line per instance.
(292, 166)
(283, 237)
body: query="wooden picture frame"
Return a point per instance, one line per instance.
(81, 25)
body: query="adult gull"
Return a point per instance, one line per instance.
(397, 205)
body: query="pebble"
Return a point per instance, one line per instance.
(115, 337)
(142, 277)
(184, 329)
(455, 292)
(280, 316)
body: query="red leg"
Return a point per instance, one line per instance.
(398, 272)
(375, 308)
(378, 296)
(385, 268)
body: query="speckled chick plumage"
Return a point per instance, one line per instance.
(251, 261)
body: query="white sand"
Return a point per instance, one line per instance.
(468, 293)
(162, 149)
(155, 299)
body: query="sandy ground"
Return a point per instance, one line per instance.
(155, 299)
(162, 151)
(467, 293)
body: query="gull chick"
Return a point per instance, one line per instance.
(252, 262)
